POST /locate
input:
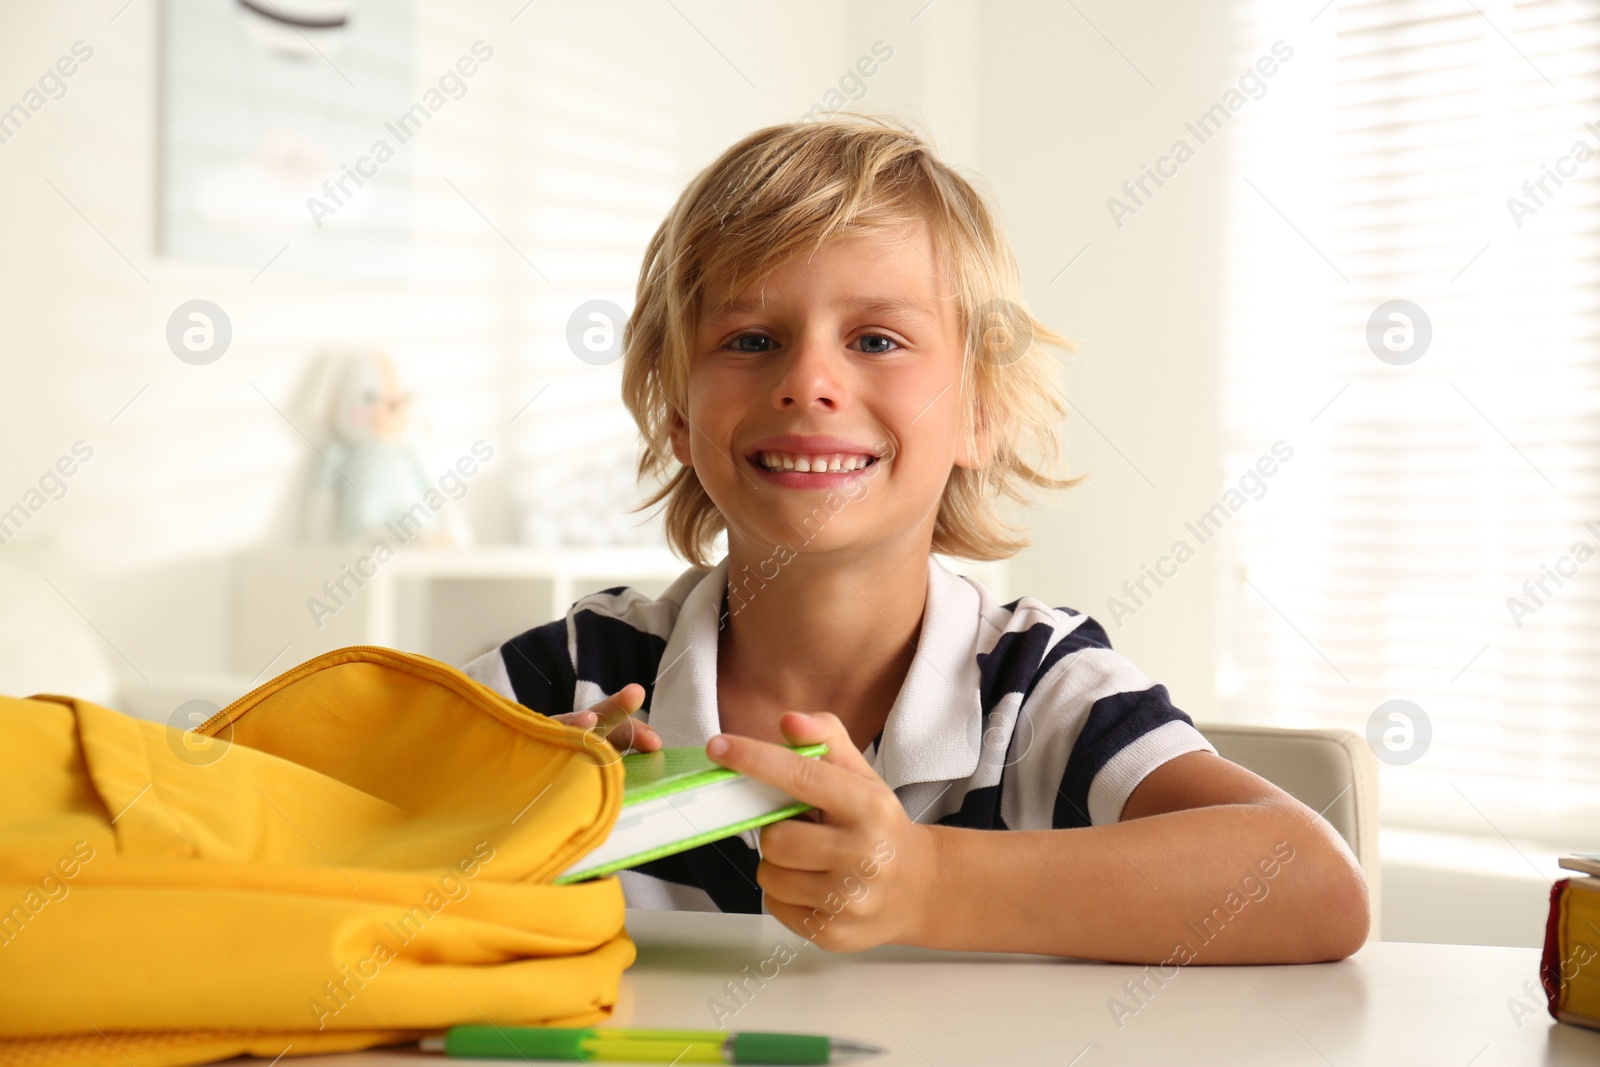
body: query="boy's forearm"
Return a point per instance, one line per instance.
(1235, 883)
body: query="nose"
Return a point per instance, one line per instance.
(811, 378)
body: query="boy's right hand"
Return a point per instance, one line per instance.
(612, 719)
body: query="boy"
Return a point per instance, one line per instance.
(829, 360)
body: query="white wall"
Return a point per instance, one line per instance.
(1100, 100)
(575, 139)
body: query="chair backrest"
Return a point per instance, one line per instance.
(1330, 771)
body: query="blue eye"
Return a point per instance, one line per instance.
(762, 341)
(869, 345)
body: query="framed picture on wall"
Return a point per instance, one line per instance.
(283, 130)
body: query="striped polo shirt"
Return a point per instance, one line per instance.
(1013, 716)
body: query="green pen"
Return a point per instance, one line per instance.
(643, 1046)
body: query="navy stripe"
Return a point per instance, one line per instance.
(1114, 723)
(1011, 663)
(539, 668)
(1087, 634)
(613, 653)
(980, 810)
(725, 869)
(1020, 658)
(670, 869)
(1012, 607)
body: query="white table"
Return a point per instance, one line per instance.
(1391, 1003)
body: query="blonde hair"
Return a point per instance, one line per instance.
(788, 189)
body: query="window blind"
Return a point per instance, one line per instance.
(1436, 537)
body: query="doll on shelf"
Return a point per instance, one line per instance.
(369, 481)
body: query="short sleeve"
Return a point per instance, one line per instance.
(534, 669)
(490, 669)
(1125, 736)
(1091, 725)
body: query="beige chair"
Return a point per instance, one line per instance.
(1330, 771)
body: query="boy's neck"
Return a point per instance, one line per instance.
(810, 632)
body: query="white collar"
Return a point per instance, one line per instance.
(933, 733)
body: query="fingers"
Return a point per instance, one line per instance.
(612, 720)
(800, 888)
(800, 728)
(619, 705)
(800, 844)
(632, 733)
(846, 795)
(822, 925)
(794, 885)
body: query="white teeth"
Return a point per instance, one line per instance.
(783, 461)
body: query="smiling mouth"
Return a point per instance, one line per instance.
(801, 463)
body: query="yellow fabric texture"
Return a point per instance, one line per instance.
(358, 852)
(1578, 918)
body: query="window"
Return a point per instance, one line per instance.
(1435, 537)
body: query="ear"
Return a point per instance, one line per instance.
(970, 458)
(972, 450)
(679, 436)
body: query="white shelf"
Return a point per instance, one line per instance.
(294, 603)
(450, 604)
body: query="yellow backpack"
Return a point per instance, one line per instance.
(358, 852)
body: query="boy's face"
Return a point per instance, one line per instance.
(852, 358)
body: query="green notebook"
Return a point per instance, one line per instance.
(675, 799)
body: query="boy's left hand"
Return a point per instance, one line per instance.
(859, 873)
